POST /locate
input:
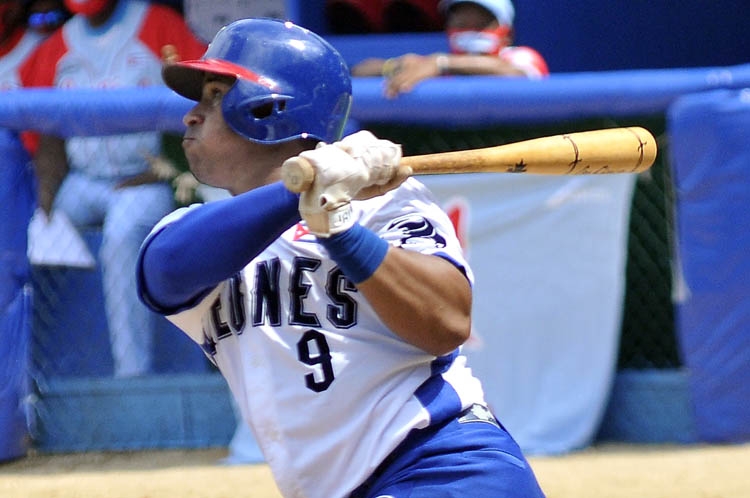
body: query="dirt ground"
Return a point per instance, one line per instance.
(601, 471)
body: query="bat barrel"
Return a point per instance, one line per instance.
(607, 151)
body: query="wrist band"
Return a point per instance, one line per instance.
(358, 252)
(441, 61)
(390, 67)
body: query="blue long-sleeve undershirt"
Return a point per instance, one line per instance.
(190, 256)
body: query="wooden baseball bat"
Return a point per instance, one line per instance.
(605, 151)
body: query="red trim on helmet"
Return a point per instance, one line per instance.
(227, 68)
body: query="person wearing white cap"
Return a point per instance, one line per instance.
(480, 33)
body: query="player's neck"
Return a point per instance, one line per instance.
(253, 181)
(264, 165)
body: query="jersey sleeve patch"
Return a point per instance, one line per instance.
(413, 231)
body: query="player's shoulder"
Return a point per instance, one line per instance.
(520, 50)
(417, 193)
(413, 189)
(163, 25)
(527, 59)
(410, 192)
(162, 12)
(39, 67)
(175, 215)
(411, 197)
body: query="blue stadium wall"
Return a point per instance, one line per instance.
(591, 35)
(585, 35)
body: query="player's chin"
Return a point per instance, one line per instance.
(190, 147)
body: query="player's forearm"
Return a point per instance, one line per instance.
(211, 244)
(368, 67)
(424, 299)
(480, 65)
(50, 168)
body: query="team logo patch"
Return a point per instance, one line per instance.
(414, 231)
(301, 233)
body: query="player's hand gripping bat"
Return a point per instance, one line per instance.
(606, 151)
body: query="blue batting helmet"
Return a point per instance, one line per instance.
(290, 83)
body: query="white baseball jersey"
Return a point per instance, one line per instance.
(125, 52)
(327, 388)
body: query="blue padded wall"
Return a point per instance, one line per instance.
(710, 144)
(16, 206)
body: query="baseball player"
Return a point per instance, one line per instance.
(108, 181)
(480, 33)
(336, 316)
(23, 26)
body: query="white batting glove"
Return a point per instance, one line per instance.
(379, 156)
(325, 206)
(343, 169)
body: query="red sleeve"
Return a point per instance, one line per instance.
(40, 67)
(38, 70)
(165, 26)
(527, 60)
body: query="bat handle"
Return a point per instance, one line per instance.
(297, 174)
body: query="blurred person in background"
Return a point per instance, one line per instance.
(110, 181)
(480, 36)
(23, 26)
